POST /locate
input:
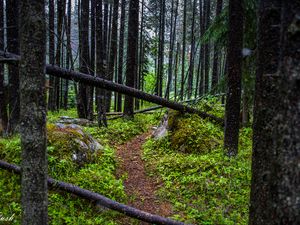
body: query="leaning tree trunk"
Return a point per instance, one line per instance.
(12, 15)
(33, 112)
(132, 47)
(233, 101)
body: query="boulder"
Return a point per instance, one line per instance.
(78, 121)
(71, 141)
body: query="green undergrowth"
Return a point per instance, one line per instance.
(203, 184)
(121, 130)
(98, 175)
(64, 208)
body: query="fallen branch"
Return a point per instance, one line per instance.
(106, 202)
(109, 85)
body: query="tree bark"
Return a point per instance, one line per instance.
(100, 52)
(161, 45)
(121, 53)
(3, 100)
(215, 80)
(192, 59)
(207, 47)
(12, 15)
(132, 47)
(172, 44)
(183, 51)
(233, 100)
(285, 181)
(33, 112)
(90, 105)
(51, 50)
(69, 57)
(84, 59)
(275, 167)
(113, 49)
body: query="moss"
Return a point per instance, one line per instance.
(191, 134)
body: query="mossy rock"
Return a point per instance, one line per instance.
(192, 134)
(71, 142)
(173, 118)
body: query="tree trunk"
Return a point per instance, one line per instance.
(51, 50)
(161, 45)
(172, 44)
(33, 112)
(121, 53)
(140, 79)
(275, 167)
(12, 15)
(90, 106)
(132, 47)
(202, 7)
(192, 58)
(101, 109)
(69, 57)
(60, 17)
(285, 175)
(215, 80)
(113, 49)
(84, 59)
(206, 48)
(3, 103)
(176, 71)
(183, 51)
(233, 100)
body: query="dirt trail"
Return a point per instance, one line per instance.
(138, 186)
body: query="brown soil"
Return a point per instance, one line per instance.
(139, 186)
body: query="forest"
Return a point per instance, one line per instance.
(171, 112)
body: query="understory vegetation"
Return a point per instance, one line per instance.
(203, 184)
(98, 176)
(200, 182)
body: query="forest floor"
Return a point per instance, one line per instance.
(140, 187)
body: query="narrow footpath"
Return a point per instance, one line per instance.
(139, 187)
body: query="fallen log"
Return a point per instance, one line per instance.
(109, 85)
(99, 199)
